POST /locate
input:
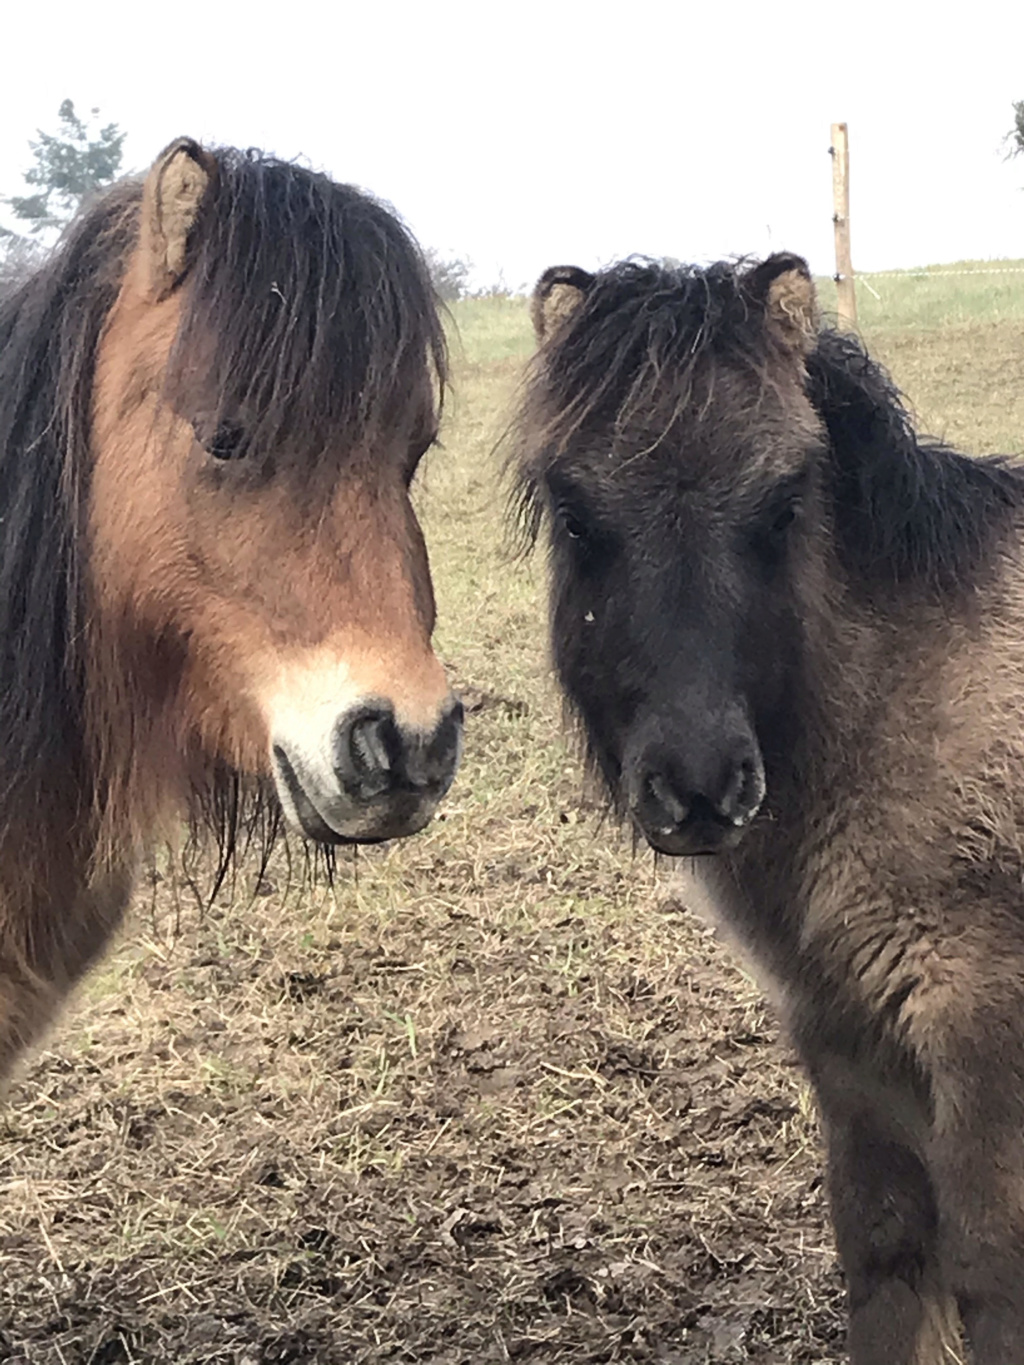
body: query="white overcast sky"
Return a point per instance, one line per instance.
(525, 134)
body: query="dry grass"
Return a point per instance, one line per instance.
(497, 1097)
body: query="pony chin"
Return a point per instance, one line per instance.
(316, 807)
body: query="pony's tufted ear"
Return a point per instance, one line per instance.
(783, 284)
(558, 293)
(175, 187)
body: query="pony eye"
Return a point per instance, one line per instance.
(590, 545)
(785, 517)
(572, 525)
(226, 441)
(770, 535)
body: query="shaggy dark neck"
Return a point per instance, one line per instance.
(907, 513)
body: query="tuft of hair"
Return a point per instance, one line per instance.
(627, 353)
(309, 315)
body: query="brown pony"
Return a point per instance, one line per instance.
(213, 399)
(793, 634)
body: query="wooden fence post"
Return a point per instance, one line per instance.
(840, 153)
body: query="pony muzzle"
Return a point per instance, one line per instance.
(685, 809)
(370, 777)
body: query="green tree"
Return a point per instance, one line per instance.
(1015, 137)
(70, 165)
(450, 275)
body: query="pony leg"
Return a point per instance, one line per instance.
(996, 1333)
(976, 1149)
(985, 1235)
(983, 1217)
(45, 948)
(886, 1219)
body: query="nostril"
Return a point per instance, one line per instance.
(369, 749)
(667, 802)
(743, 792)
(367, 746)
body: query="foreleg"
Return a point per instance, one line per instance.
(48, 940)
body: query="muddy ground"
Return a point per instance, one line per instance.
(431, 1135)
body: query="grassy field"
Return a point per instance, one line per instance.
(497, 1096)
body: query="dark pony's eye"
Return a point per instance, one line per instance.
(569, 517)
(582, 533)
(773, 526)
(785, 516)
(591, 545)
(225, 441)
(571, 524)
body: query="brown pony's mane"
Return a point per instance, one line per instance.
(50, 328)
(307, 312)
(327, 336)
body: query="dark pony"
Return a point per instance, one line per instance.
(214, 596)
(792, 633)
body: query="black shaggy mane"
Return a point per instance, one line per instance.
(626, 358)
(636, 338)
(906, 510)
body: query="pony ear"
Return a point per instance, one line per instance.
(783, 285)
(557, 295)
(172, 196)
